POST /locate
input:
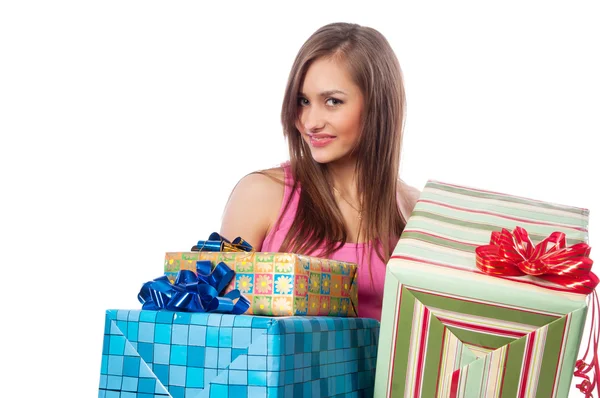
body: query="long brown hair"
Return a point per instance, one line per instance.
(375, 70)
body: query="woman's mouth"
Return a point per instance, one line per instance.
(320, 140)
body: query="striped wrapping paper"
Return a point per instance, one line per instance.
(448, 330)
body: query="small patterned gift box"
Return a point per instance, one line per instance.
(282, 284)
(150, 354)
(450, 329)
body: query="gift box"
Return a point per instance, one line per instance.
(449, 329)
(281, 284)
(181, 354)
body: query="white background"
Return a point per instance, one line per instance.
(125, 125)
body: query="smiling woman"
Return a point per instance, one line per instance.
(340, 195)
(329, 120)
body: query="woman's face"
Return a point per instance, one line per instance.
(329, 110)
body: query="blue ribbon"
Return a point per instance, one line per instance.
(217, 243)
(193, 292)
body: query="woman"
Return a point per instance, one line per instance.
(339, 196)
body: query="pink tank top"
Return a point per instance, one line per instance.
(370, 291)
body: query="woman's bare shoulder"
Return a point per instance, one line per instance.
(253, 206)
(408, 196)
(262, 183)
(405, 189)
(275, 174)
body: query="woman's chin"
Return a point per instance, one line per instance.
(324, 157)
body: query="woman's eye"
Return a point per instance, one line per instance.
(302, 101)
(333, 102)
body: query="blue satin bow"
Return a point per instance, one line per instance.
(195, 292)
(217, 243)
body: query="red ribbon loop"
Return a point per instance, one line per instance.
(586, 388)
(513, 254)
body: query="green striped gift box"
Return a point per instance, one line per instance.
(448, 330)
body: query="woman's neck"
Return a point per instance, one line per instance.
(343, 177)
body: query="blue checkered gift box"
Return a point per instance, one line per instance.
(175, 354)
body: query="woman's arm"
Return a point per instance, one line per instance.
(253, 207)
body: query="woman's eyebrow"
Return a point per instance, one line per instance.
(325, 93)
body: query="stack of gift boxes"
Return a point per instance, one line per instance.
(298, 338)
(461, 317)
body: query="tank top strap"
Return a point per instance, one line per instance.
(288, 180)
(285, 218)
(289, 194)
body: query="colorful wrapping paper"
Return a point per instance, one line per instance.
(197, 355)
(282, 284)
(449, 330)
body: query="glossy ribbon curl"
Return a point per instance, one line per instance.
(217, 243)
(591, 365)
(193, 292)
(513, 254)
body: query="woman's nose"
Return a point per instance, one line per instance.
(312, 119)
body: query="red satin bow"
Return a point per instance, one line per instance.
(513, 254)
